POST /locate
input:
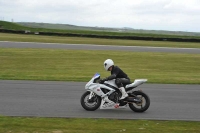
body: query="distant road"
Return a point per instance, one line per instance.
(62, 99)
(5, 44)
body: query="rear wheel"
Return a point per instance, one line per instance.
(91, 104)
(140, 106)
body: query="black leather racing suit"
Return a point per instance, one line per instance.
(120, 76)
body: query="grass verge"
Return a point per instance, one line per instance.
(80, 65)
(81, 40)
(62, 125)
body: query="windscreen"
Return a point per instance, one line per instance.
(96, 75)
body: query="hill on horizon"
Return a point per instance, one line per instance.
(126, 32)
(106, 29)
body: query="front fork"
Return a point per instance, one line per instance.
(91, 95)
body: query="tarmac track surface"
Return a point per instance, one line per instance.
(62, 99)
(5, 44)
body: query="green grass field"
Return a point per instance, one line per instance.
(80, 65)
(81, 40)
(62, 125)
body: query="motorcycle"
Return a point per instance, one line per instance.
(107, 95)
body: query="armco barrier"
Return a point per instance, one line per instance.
(102, 36)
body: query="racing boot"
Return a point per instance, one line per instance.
(124, 94)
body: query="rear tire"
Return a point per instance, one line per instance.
(140, 107)
(90, 105)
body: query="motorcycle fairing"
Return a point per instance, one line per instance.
(136, 83)
(111, 105)
(111, 83)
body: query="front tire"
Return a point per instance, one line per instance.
(144, 105)
(91, 105)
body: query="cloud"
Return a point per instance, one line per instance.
(181, 15)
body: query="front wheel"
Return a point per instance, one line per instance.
(92, 104)
(140, 106)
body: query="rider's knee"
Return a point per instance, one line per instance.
(118, 83)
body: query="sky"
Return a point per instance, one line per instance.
(171, 15)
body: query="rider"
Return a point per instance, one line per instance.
(118, 74)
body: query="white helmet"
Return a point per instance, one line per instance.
(108, 63)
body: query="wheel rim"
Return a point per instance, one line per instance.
(142, 104)
(90, 104)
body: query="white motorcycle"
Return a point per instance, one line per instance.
(107, 96)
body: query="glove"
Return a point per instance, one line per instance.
(101, 81)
